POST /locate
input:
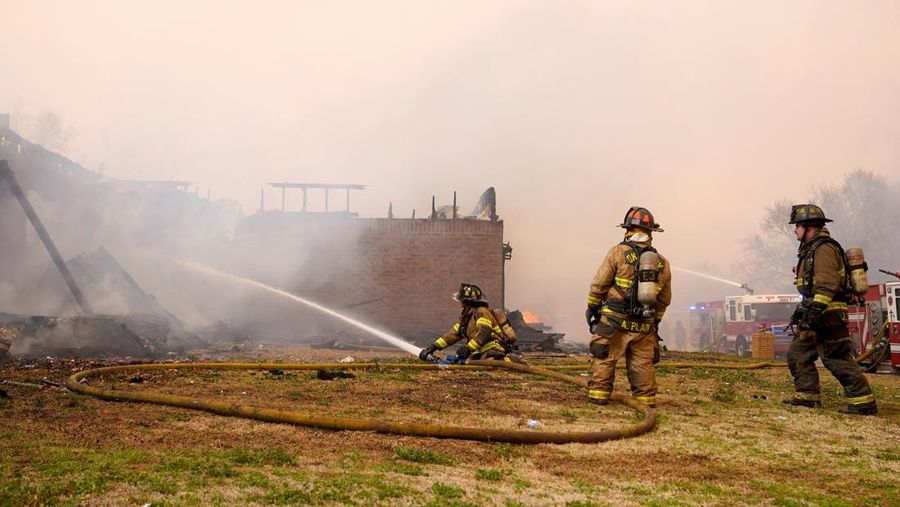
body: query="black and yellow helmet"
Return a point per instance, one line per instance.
(807, 213)
(469, 293)
(640, 218)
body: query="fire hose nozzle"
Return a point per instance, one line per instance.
(895, 274)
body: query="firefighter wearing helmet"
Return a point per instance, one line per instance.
(477, 327)
(820, 321)
(628, 297)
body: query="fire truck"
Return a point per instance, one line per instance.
(728, 325)
(875, 327)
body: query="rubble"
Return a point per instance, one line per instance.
(142, 336)
(534, 338)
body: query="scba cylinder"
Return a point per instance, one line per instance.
(648, 278)
(856, 260)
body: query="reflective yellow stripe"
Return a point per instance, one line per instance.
(597, 394)
(441, 343)
(659, 315)
(484, 322)
(593, 300)
(646, 400)
(472, 345)
(625, 283)
(607, 311)
(491, 345)
(808, 396)
(862, 400)
(836, 305)
(456, 327)
(821, 298)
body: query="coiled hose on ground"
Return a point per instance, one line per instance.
(74, 383)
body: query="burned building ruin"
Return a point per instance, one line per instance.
(396, 274)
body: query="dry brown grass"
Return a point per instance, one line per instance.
(723, 438)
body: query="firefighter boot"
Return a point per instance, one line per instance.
(802, 403)
(865, 409)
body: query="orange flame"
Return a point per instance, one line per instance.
(530, 317)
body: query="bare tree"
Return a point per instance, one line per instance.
(771, 252)
(864, 207)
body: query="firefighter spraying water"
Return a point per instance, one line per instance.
(486, 333)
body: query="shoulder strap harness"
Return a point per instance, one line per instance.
(807, 255)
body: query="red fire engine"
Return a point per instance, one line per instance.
(728, 325)
(877, 325)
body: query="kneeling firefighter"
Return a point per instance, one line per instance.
(629, 295)
(486, 332)
(827, 280)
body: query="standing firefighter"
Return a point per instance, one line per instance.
(822, 317)
(629, 295)
(486, 333)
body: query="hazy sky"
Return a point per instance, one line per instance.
(705, 112)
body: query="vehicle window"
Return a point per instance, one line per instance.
(897, 302)
(747, 314)
(732, 310)
(774, 311)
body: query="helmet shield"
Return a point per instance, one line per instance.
(640, 218)
(801, 213)
(469, 293)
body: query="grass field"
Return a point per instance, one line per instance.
(723, 438)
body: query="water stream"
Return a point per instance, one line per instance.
(704, 275)
(393, 340)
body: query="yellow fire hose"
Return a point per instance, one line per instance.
(74, 383)
(364, 424)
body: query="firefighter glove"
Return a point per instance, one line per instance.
(592, 315)
(426, 353)
(797, 316)
(813, 317)
(508, 346)
(657, 349)
(463, 353)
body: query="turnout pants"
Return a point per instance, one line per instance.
(832, 343)
(638, 349)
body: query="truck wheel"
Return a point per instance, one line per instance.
(740, 346)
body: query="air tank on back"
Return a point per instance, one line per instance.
(856, 260)
(648, 278)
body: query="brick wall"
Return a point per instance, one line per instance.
(395, 273)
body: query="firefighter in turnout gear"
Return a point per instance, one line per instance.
(477, 327)
(628, 297)
(820, 321)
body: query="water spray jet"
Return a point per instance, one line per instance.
(710, 277)
(393, 340)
